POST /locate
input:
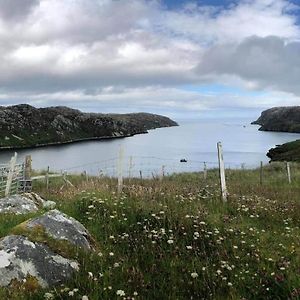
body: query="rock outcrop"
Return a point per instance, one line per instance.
(33, 252)
(24, 204)
(285, 152)
(26, 126)
(62, 227)
(21, 259)
(285, 119)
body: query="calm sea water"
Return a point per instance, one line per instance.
(193, 140)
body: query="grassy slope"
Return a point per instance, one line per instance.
(157, 236)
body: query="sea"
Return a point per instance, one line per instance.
(191, 146)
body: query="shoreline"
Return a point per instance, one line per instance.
(80, 140)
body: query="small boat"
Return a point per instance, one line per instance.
(183, 160)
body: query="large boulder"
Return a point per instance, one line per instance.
(62, 227)
(21, 258)
(24, 204)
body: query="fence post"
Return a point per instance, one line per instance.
(120, 170)
(141, 174)
(10, 175)
(28, 168)
(261, 173)
(130, 167)
(288, 169)
(222, 172)
(204, 170)
(162, 174)
(47, 178)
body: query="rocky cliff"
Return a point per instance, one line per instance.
(27, 126)
(280, 119)
(285, 152)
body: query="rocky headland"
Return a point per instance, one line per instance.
(24, 126)
(284, 119)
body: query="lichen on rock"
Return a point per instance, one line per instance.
(20, 258)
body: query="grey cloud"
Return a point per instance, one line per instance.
(16, 9)
(267, 62)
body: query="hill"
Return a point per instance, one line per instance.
(26, 126)
(285, 119)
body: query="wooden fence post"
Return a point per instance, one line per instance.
(141, 174)
(222, 172)
(288, 169)
(130, 167)
(162, 174)
(10, 175)
(204, 170)
(28, 167)
(261, 173)
(47, 178)
(120, 170)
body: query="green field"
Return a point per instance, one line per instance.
(175, 239)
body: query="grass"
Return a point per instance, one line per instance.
(175, 239)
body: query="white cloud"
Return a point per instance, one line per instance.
(54, 51)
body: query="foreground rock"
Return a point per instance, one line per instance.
(24, 204)
(285, 119)
(21, 258)
(62, 227)
(27, 126)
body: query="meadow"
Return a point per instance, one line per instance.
(176, 239)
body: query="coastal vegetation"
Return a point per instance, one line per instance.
(175, 238)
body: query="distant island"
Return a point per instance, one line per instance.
(284, 119)
(23, 126)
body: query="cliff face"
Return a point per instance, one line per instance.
(280, 119)
(27, 126)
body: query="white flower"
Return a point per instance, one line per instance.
(111, 254)
(90, 274)
(170, 242)
(229, 284)
(85, 297)
(48, 296)
(120, 293)
(189, 247)
(194, 275)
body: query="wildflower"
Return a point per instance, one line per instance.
(135, 293)
(48, 296)
(189, 247)
(111, 254)
(170, 242)
(229, 284)
(85, 297)
(90, 274)
(194, 275)
(203, 268)
(120, 293)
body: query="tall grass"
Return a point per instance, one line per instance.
(175, 239)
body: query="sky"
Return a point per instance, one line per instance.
(178, 58)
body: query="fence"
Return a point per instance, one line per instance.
(124, 167)
(15, 178)
(12, 177)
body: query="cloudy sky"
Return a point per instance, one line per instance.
(181, 58)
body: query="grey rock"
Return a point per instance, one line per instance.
(24, 204)
(17, 204)
(19, 258)
(62, 227)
